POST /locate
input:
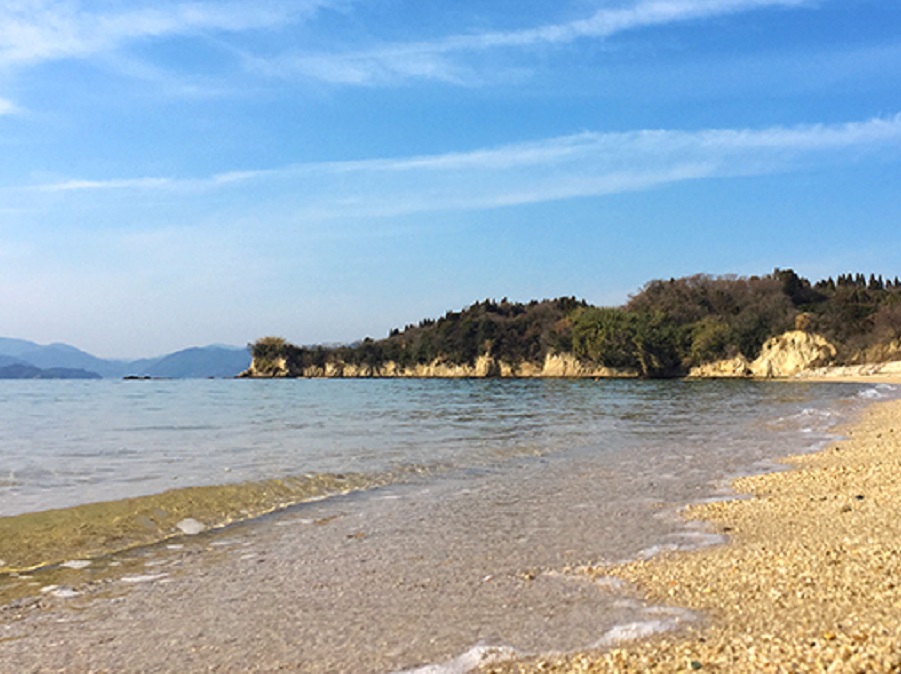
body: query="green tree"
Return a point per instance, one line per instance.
(711, 339)
(604, 335)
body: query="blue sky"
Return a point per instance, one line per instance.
(183, 173)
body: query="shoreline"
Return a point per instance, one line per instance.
(810, 579)
(870, 373)
(380, 551)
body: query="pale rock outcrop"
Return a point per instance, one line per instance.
(879, 353)
(792, 353)
(787, 355)
(277, 367)
(722, 369)
(567, 365)
(554, 365)
(486, 366)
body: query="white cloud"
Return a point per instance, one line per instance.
(580, 165)
(435, 60)
(39, 30)
(33, 31)
(8, 107)
(126, 183)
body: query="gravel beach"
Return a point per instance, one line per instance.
(811, 581)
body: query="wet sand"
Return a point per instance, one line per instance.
(811, 581)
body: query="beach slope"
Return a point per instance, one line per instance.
(810, 582)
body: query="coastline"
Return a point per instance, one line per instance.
(809, 580)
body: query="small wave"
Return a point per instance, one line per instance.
(84, 532)
(808, 420)
(666, 619)
(60, 592)
(633, 631)
(813, 413)
(143, 578)
(878, 391)
(477, 656)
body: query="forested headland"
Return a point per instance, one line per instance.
(664, 330)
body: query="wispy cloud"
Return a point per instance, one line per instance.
(35, 31)
(8, 107)
(443, 59)
(124, 184)
(40, 30)
(580, 165)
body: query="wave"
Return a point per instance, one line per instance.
(40, 539)
(879, 391)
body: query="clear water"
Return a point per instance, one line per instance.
(63, 443)
(503, 489)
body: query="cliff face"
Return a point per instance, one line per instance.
(267, 369)
(789, 354)
(554, 365)
(785, 356)
(721, 369)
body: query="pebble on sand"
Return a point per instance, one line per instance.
(190, 527)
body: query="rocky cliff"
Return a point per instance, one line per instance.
(554, 365)
(787, 355)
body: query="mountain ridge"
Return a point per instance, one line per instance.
(60, 360)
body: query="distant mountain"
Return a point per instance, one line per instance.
(25, 371)
(64, 360)
(9, 360)
(66, 356)
(211, 361)
(16, 347)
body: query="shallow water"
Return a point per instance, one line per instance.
(489, 494)
(65, 443)
(256, 446)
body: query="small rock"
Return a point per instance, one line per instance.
(190, 526)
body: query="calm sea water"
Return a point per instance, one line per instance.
(476, 503)
(64, 443)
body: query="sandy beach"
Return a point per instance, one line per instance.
(811, 580)
(872, 373)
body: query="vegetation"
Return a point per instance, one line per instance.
(663, 330)
(269, 353)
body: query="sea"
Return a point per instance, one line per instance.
(545, 474)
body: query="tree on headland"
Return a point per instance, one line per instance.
(269, 353)
(269, 348)
(666, 328)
